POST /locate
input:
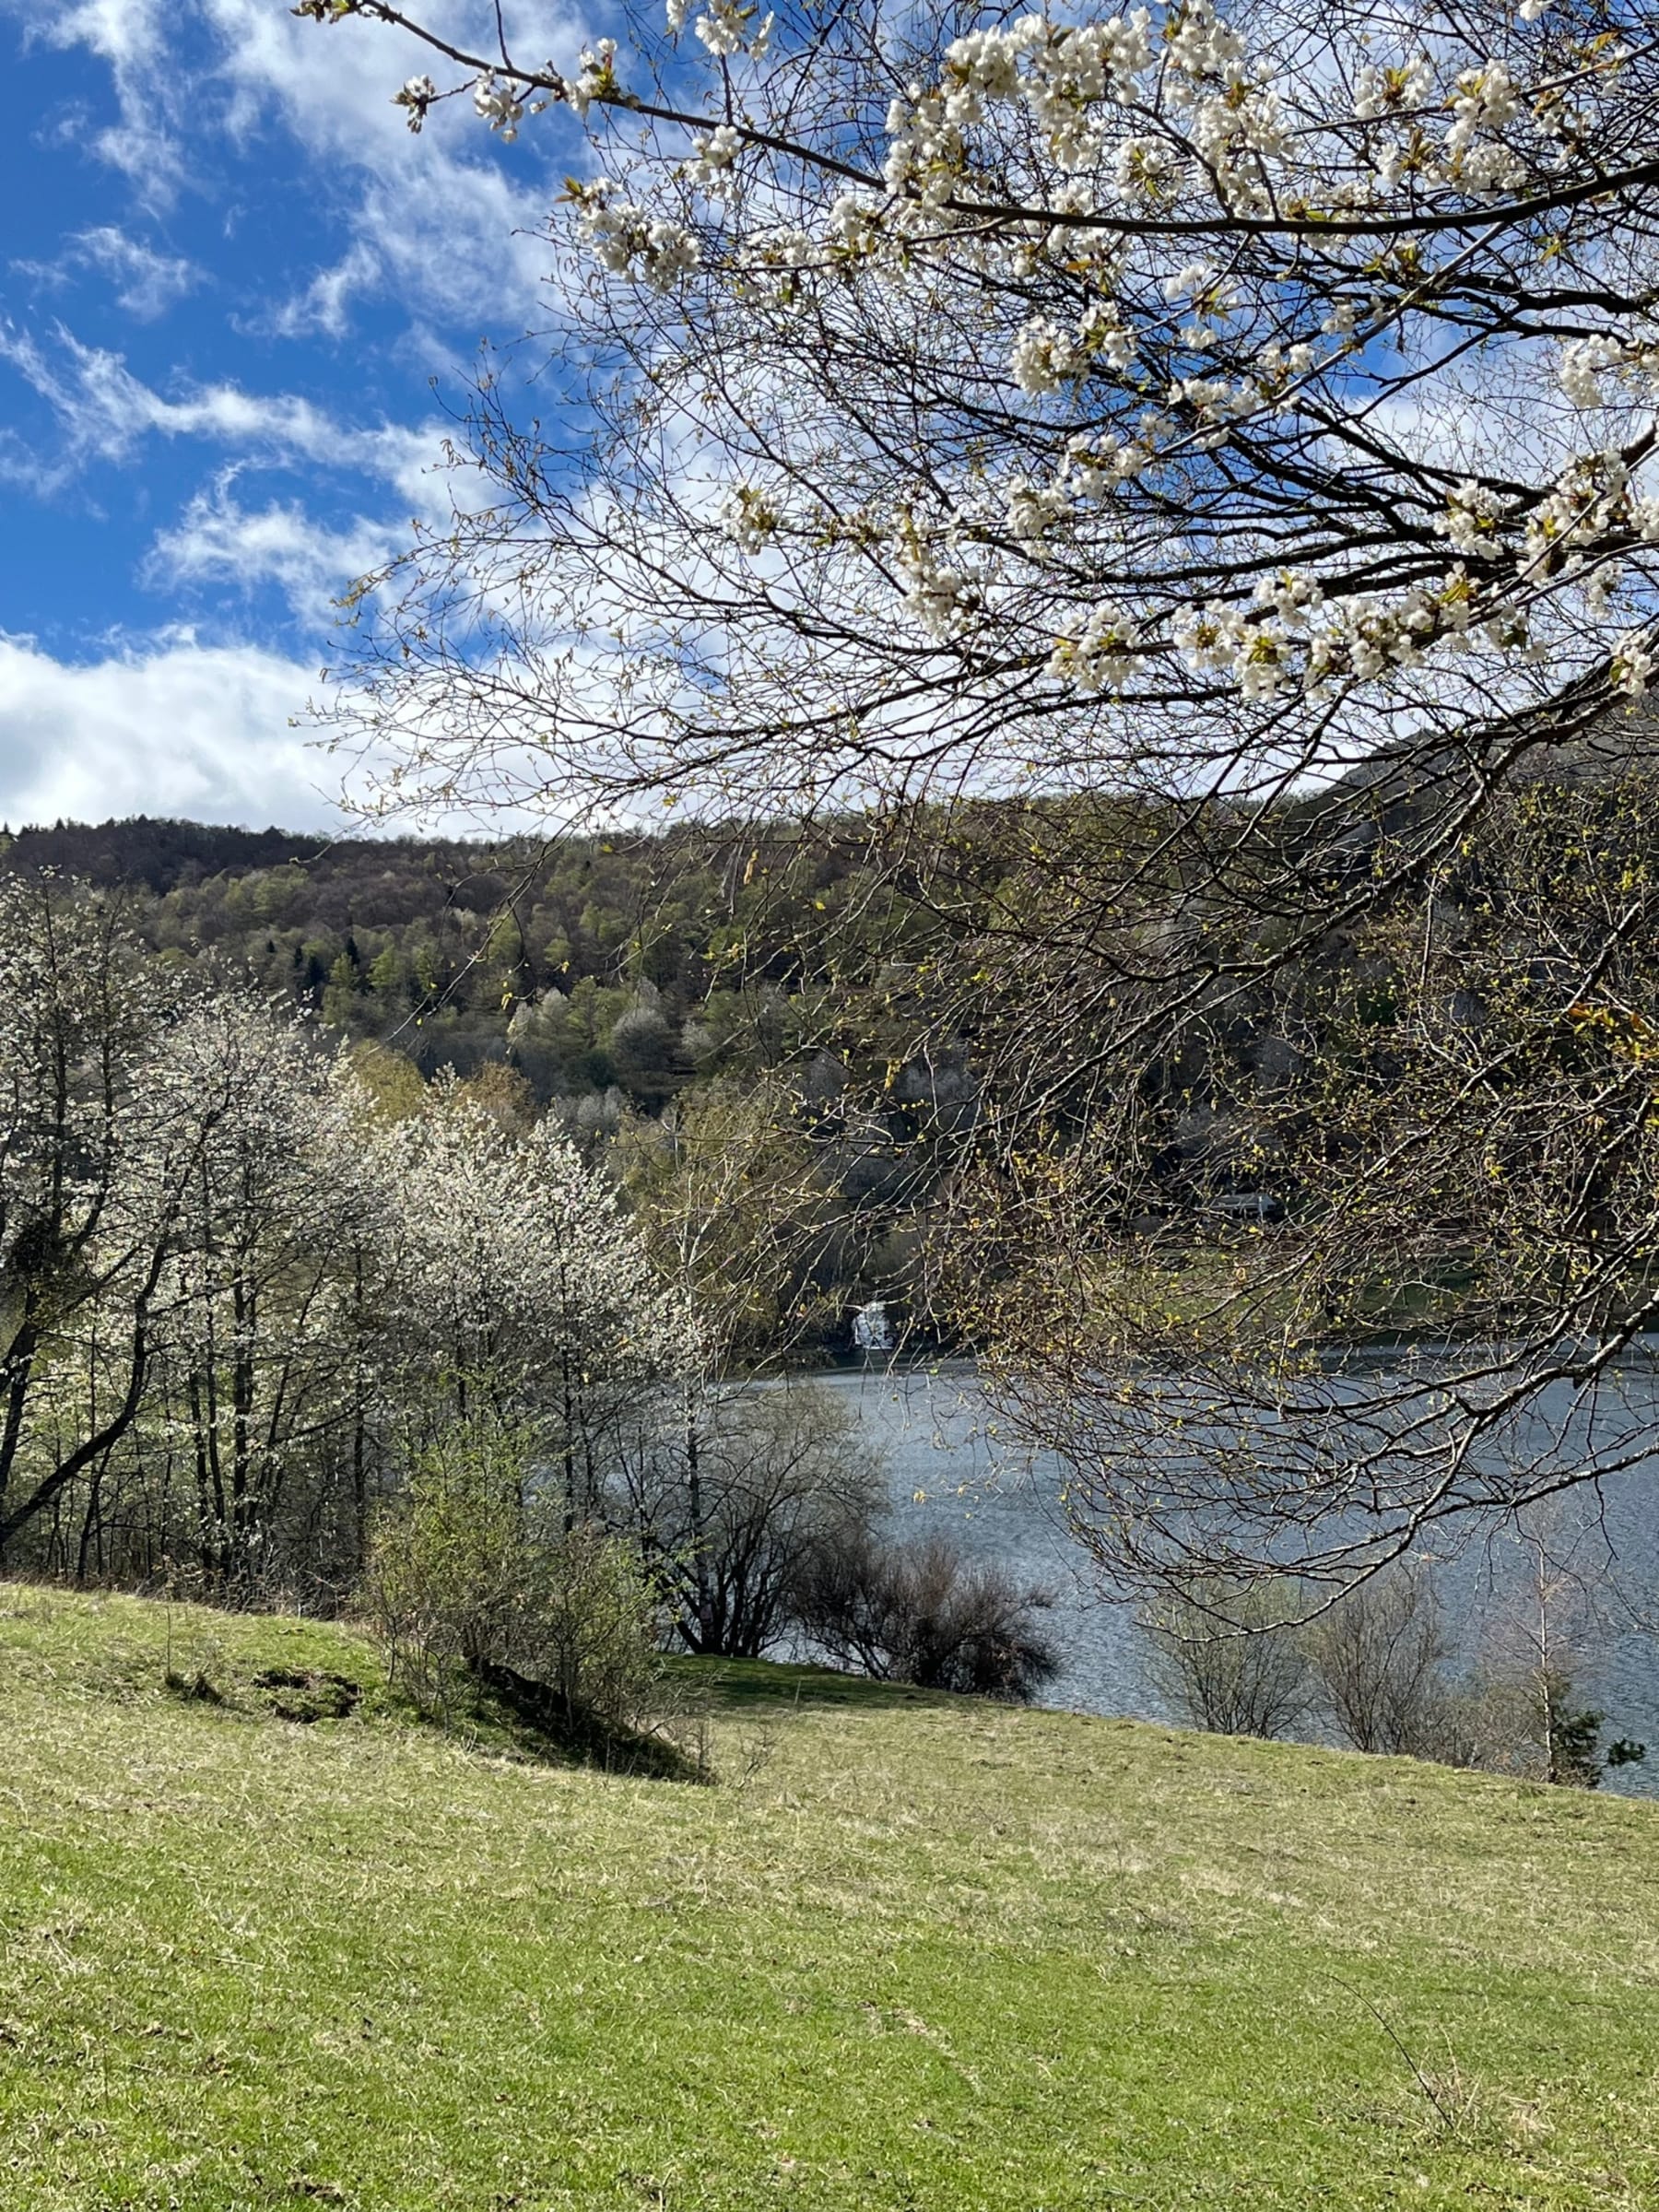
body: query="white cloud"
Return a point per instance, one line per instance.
(446, 222)
(131, 36)
(172, 727)
(443, 225)
(443, 222)
(218, 539)
(147, 283)
(323, 304)
(106, 412)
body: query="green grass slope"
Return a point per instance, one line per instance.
(906, 1953)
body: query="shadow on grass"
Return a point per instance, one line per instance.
(741, 1685)
(538, 1724)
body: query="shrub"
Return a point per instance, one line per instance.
(592, 1641)
(446, 1584)
(921, 1613)
(1379, 1656)
(1229, 1658)
(474, 1575)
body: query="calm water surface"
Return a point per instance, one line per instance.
(949, 1474)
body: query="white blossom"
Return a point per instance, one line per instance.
(1034, 509)
(1103, 656)
(623, 236)
(1586, 361)
(713, 158)
(1384, 91)
(854, 224)
(1142, 168)
(1095, 467)
(1633, 663)
(725, 28)
(596, 75)
(1201, 45)
(1291, 596)
(416, 94)
(750, 517)
(1212, 399)
(1485, 100)
(1043, 358)
(1473, 512)
(499, 104)
(936, 589)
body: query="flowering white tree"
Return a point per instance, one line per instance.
(80, 1266)
(267, 1346)
(522, 1297)
(1224, 438)
(1015, 400)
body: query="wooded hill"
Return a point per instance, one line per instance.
(639, 964)
(608, 979)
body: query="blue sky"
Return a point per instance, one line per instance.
(229, 277)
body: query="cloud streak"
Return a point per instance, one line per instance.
(218, 540)
(147, 283)
(106, 413)
(131, 36)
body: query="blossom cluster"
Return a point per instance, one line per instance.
(1190, 261)
(626, 238)
(938, 592)
(1104, 654)
(750, 517)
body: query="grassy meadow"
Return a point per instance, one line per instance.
(905, 1952)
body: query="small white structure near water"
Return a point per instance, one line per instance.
(872, 1331)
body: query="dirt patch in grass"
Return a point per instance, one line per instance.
(306, 1694)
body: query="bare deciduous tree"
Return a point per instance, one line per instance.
(1187, 469)
(779, 1474)
(1380, 1655)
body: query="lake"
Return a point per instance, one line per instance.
(948, 1474)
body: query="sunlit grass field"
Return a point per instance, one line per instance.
(902, 1952)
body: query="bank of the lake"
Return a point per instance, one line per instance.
(908, 1954)
(949, 1471)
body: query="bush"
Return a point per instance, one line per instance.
(1528, 1721)
(1229, 1658)
(475, 1577)
(921, 1613)
(593, 1641)
(1379, 1656)
(732, 1493)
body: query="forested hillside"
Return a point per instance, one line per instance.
(734, 982)
(639, 964)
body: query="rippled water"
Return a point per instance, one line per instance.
(949, 1474)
